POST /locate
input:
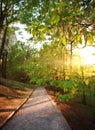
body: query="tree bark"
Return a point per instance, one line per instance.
(1, 16)
(71, 53)
(83, 91)
(3, 42)
(4, 64)
(3, 54)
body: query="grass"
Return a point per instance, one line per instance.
(14, 84)
(13, 89)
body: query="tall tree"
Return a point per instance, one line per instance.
(9, 13)
(68, 22)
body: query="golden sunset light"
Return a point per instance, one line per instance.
(87, 55)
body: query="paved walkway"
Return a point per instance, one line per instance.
(38, 113)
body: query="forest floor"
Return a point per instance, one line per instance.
(10, 100)
(78, 116)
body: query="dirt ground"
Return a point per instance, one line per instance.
(10, 100)
(75, 114)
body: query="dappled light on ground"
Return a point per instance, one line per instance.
(10, 99)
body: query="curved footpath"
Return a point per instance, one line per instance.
(38, 113)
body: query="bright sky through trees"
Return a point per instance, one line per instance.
(21, 34)
(88, 55)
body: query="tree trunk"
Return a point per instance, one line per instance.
(83, 91)
(4, 64)
(1, 16)
(84, 97)
(3, 42)
(3, 54)
(71, 53)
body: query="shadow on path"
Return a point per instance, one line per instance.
(38, 113)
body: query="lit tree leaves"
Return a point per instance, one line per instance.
(90, 39)
(87, 81)
(78, 39)
(55, 20)
(64, 41)
(42, 36)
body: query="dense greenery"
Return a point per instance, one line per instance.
(63, 25)
(49, 67)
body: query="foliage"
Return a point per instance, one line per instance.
(49, 67)
(9, 12)
(66, 24)
(65, 97)
(66, 21)
(16, 59)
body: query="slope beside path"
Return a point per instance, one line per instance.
(11, 100)
(38, 113)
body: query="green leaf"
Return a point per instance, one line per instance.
(90, 39)
(87, 82)
(78, 38)
(42, 36)
(64, 41)
(55, 19)
(65, 97)
(92, 16)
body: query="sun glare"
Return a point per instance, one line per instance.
(88, 56)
